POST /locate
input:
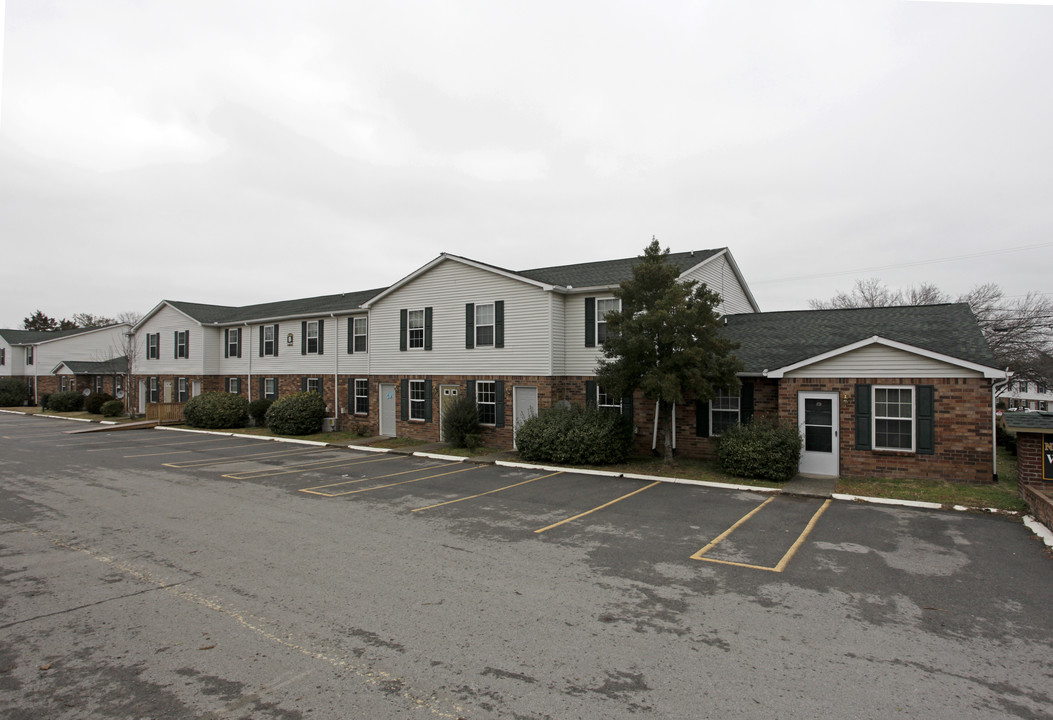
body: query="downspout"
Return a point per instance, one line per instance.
(336, 375)
(995, 387)
(248, 349)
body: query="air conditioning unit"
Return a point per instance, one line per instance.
(329, 425)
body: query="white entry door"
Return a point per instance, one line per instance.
(524, 405)
(387, 409)
(817, 420)
(142, 397)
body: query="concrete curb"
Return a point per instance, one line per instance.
(243, 436)
(1039, 529)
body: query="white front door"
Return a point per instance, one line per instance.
(142, 397)
(447, 396)
(817, 420)
(387, 409)
(524, 406)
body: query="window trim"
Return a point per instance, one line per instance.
(713, 411)
(874, 417)
(182, 389)
(307, 337)
(411, 330)
(318, 384)
(490, 403)
(232, 347)
(356, 397)
(29, 355)
(153, 392)
(355, 334)
(601, 395)
(182, 344)
(417, 398)
(273, 352)
(602, 315)
(153, 346)
(492, 325)
(270, 395)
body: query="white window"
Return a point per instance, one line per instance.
(484, 325)
(723, 412)
(29, 356)
(894, 418)
(606, 400)
(153, 346)
(234, 385)
(183, 392)
(359, 341)
(417, 410)
(314, 385)
(3, 356)
(270, 388)
(118, 385)
(182, 338)
(361, 397)
(312, 337)
(486, 402)
(154, 393)
(415, 329)
(604, 306)
(233, 342)
(270, 340)
(98, 383)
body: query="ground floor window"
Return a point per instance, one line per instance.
(416, 400)
(154, 392)
(893, 418)
(606, 400)
(314, 385)
(270, 388)
(486, 402)
(182, 390)
(723, 412)
(361, 397)
(234, 385)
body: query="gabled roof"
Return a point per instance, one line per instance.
(113, 366)
(206, 314)
(774, 340)
(610, 272)
(30, 337)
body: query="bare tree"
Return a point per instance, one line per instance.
(874, 293)
(88, 320)
(129, 316)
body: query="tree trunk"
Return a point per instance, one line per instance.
(665, 422)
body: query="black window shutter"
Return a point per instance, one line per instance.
(590, 393)
(403, 328)
(499, 392)
(263, 387)
(427, 328)
(262, 333)
(627, 407)
(186, 339)
(367, 397)
(303, 338)
(499, 324)
(237, 386)
(175, 343)
(275, 340)
(351, 396)
(226, 343)
(590, 322)
(239, 342)
(427, 400)
(469, 326)
(469, 390)
(321, 337)
(746, 403)
(351, 336)
(701, 418)
(404, 400)
(925, 412)
(303, 384)
(863, 441)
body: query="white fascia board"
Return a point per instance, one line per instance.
(987, 372)
(726, 253)
(455, 258)
(54, 370)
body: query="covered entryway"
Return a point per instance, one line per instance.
(524, 406)
(387, 409)
(817, 420)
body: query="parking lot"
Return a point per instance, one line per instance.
(161, 573)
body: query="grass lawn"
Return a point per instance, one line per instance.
(1002, 495)
(478, 452)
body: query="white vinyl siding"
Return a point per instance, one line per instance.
(581, 360)
(527, 319)
(879, 361)
(289, 361)
(166, 322)
(100, 344)
(719, 276)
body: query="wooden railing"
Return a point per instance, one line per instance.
(165, 412)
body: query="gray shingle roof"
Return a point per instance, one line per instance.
(97, 367)
(777, 339)
(1020, 420)
(323, 304)
(27, 337)
(608, 272)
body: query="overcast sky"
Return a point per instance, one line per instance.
(242, 152)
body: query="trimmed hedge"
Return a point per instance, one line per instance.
(69, 401)
(763, 449)
(299, 414)
(575, 435)
(94, 402)
(460, 423)
(13, 392)
(212, 410)
(112, 408)
(258, 410)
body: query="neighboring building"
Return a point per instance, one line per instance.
(38, 356)
(1030, 395)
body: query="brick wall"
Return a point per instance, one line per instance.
(1030, 447)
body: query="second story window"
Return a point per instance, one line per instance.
(415, 329)
(153, 346)
(268, 340)
(359, 334)
(182, 343)
(604, 306)
(311, 342)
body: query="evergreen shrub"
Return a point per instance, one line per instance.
(763, 449)
(575, 435)
(112, 408)
(213, 410)
(94, 402)
(68, 401)
(258, 410)
(299, 414)
(13, 392)
(461, 422)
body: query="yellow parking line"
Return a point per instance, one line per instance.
(781, 565)
(128, 447)
(607, 504)
(401, 482)
(320, 465)
(488, 492)
(239, 458)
